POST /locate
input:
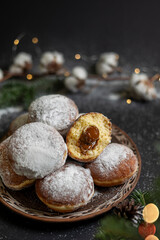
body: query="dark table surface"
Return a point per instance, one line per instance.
(140, 120)
(130, 28)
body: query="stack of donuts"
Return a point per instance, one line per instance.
(63, 153)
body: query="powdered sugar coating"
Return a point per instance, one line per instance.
(110, 159)
(72, 184)
(9, 177)
(55, 110)
(36, 149)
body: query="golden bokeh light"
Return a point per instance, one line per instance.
(77, 56)
(117, 57)
(150, 213)
(151, 237)
(35, 40)
(128, 101)
(104, 75)
(137, 70)
(29, 76)
(66, 74)
(16, 42)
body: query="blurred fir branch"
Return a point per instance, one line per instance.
(139, 197)
(114, 228)
(14, 92)
(152, 196)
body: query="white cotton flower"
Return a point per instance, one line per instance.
(46, 58)
(138, 77)
(52, 57)
(109, 58)
(58, 57)
(71, 83)
(22, 59)
(142, 87)
(14, 69)
(103, 68)
(80, 73)
(1, 74)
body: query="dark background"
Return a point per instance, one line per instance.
(130, 28)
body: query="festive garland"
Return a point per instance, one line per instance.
(140, 87)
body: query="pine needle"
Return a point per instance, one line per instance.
(114, 228)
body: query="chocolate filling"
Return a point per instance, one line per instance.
(88, 139)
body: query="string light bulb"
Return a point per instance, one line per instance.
(137, 70)
(151, 237)
(128, 101)
(66, 74)
(150, 213)
(29, 76)
(77, 56)
(16, 41)
(117, 56)
(35, 40)
(104, 75)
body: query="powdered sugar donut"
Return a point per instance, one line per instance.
(36, 149)
(67, 189)
(88, 137)
(55, 110)
(114, 166)
(18, 122)
(9, 177)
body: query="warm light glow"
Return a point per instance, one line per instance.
(77, 56)
(16, 42)
(128, 101)
(66, 74)
(35, 40)
(104, 75)
(29, 76)
(117, 57)
(151, 237)
(150, 213)
(159, 79)
(137, 70)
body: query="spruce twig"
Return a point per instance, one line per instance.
(114, 228)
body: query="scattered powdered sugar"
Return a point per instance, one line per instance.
(36, 150)
(111, 157)
(70, 184)
(55, 110)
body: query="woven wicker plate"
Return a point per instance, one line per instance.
(26, 203)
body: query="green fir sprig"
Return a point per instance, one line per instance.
(114, 228)
(16, 92)
(146, 197)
